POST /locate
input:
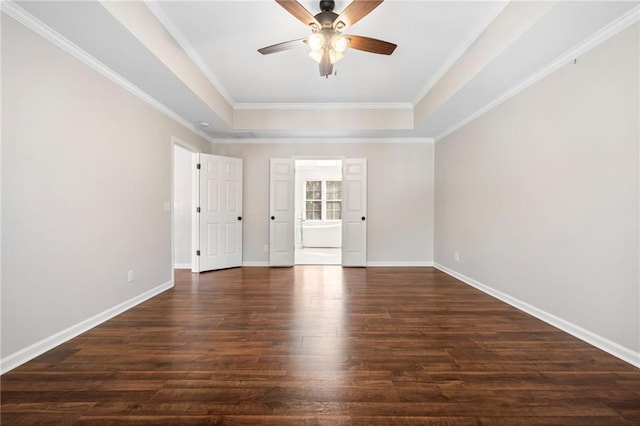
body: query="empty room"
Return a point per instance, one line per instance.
(349, 212)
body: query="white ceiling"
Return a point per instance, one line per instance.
(426, 33)
(222, 38)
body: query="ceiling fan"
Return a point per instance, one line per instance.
(327, 42)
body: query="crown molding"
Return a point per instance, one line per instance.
(16, 12)
(188, 49)
(323, 106)
(346, 140)
(457, 54)
(589, 43)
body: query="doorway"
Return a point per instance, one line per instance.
(318, 212)
(207, 210)
(282, 218)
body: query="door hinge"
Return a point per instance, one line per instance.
(197, 209)
(197, 252)
(198, 166)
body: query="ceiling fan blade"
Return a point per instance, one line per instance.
(298, 10)
(372, 45)
(357, 10)
(293, 44)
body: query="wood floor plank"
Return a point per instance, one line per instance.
(322, 345)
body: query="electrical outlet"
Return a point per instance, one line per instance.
(266, 248)
(456, 256)
(130, 276)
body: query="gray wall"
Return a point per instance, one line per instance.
(540, 196)
(86, 170)
(400, 195)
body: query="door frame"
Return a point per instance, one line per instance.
(333, 157)
(176, 141)
(296, 158)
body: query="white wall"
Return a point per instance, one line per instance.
(86, 172)
(540, 197)
(400, 195)
(182, 206)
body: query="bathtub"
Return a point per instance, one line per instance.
(321, 234)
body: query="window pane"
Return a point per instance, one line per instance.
(334, 190)
(313, 210)
(334, 210)
(314, 190)
(314, 195)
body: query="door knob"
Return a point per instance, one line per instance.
(364, 218)
(239, 217)
(273, 218)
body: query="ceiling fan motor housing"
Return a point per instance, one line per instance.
(325, 19)
(327, 5)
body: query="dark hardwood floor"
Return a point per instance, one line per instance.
(319, 345)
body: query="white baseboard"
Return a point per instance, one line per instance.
(400, 264)
(600, 342)
(369, 264)
(182, 266)
(18, 358)
(255, 264)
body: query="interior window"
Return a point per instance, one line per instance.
(334, 200)
(323, 200)
(313, 200)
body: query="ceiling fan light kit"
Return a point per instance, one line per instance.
(327, 43)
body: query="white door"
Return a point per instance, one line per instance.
(218, 212)
(354, 212)
(281, 212)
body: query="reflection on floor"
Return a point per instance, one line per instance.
(318, 256)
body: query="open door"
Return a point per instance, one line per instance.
(217, 242)
(354, 212)
(281, 211)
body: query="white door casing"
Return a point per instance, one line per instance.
(281, 212)
(354, 212)
(218, 212)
